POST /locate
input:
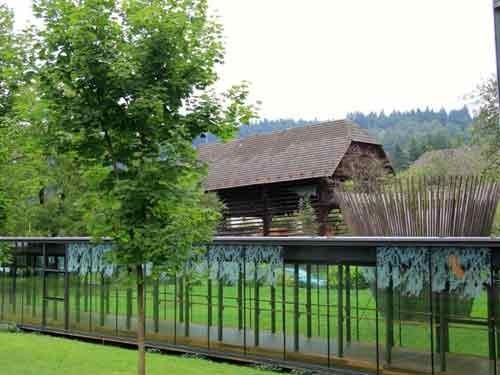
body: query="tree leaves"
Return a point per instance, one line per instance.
(130, 86)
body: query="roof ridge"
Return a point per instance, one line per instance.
(296, 128)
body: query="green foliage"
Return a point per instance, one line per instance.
(486, 130)
(129, 87)
(5, 253)
(61, 208)
(400, 158)
(486, 133)
(407, 135)
(10, 62)
(20, 161)
(466, 161)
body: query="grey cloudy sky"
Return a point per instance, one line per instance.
(324, 58)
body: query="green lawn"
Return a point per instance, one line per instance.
(31, 354)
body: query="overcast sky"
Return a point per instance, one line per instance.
(324, 58)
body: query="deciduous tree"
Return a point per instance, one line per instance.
(129, 86)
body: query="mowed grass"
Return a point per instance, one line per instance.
(32, 354)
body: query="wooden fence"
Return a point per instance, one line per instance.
(443, 206)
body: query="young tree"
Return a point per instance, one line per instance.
(129, 86)
(400, 158)
(414, 149)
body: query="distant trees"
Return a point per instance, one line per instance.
(400, 158)
(381, 120)
(262, 126)
(407, 135)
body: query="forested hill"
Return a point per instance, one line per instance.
(405, 135)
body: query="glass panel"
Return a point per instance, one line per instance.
(264, 325)
(306, 319)
(462, 336)
(102, 319)
(404, 309)
(11, 296)
(161, 310)
(39, 261)
(55, 284)
(33, 291)
(21, 260)
(314, 315)
(194, 329)
(360, 317)
(76, 305)
(405, 329)
(125, 309)
(54, 313)
(292, 309)
(55, 262)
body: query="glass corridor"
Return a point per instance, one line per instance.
(411, 309)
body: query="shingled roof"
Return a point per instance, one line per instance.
(295, 154)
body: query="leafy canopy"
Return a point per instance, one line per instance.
(486, 129)
(20, 155)
(129, 85)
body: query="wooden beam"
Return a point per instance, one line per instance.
(267, 217)
(324, 206)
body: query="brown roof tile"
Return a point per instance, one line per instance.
(294, 154)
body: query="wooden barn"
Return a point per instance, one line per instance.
(270, 182)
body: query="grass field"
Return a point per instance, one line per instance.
(30, 354)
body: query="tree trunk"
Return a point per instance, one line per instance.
(141, 322)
